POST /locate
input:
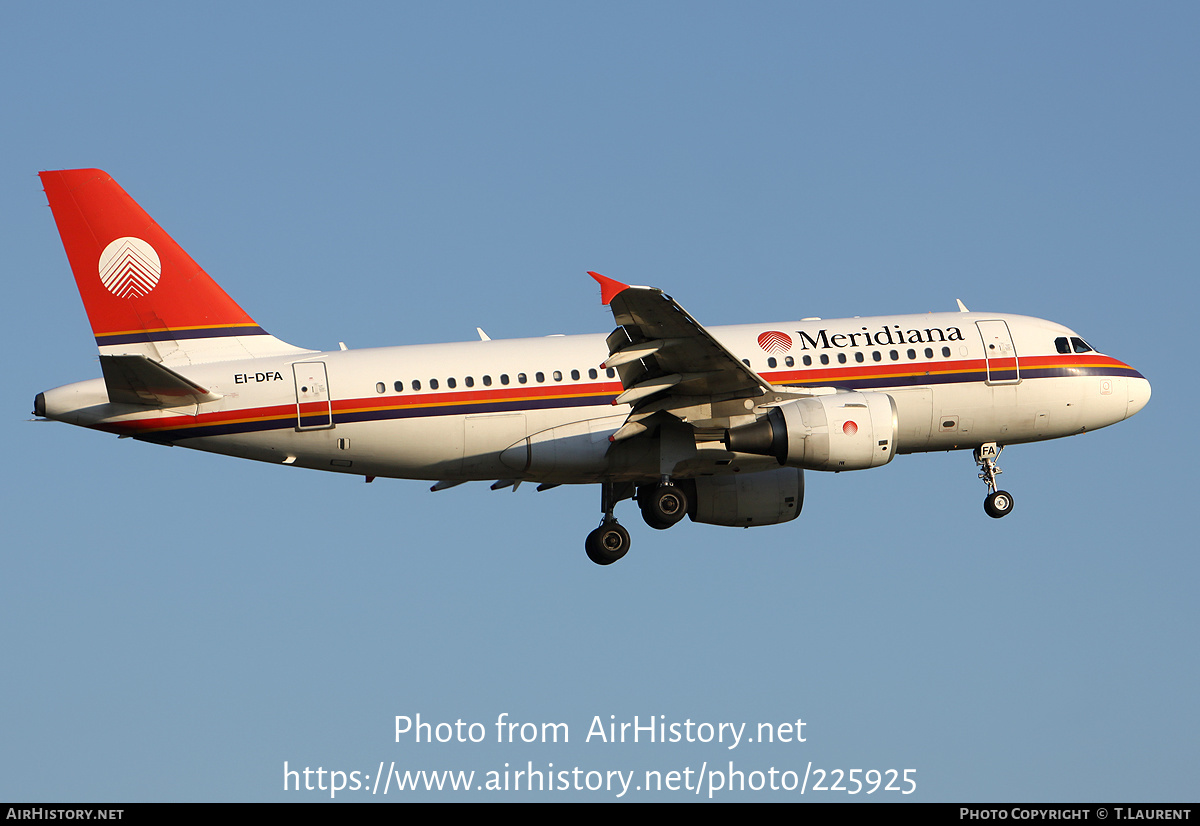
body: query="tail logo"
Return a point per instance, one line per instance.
(129, 267)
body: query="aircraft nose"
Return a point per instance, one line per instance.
(1139, 394)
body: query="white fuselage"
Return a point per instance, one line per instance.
(451, 411)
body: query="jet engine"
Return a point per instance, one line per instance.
(744, 500)
(843, 431)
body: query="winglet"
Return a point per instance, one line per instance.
(609, 287)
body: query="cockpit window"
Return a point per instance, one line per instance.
(1080, 345)
(1062, 345)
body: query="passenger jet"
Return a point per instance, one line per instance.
(717, 424)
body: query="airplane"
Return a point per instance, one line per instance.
(717, 424)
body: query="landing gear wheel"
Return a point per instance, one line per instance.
(607, 543)
(652, 520)
(997, 504)
(663, 506)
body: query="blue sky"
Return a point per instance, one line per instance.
(176, 625)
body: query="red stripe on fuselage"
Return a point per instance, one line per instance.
(437, 403)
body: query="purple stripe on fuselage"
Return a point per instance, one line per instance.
(176, 335)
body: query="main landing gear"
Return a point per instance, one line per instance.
(610, 541)
(998, 502)
(607, 543)
(663, 505)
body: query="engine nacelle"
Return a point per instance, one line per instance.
(748, 499)
(843, 431)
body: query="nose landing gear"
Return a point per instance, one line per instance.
(998, 503)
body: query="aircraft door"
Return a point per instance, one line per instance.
(999, 352)
(914, 414)
(313, 409)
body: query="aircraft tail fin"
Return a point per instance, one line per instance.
(143, 294)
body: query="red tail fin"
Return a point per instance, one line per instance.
(144, 294)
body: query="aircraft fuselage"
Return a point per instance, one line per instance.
(477, 399)
(718, 424)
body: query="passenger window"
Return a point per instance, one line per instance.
(876, 355)
(912, 354)
(1062, 345)
(928, 352)
(789, 361)
(841, 358)
(399, 387)
(746, 362)
(541, 377)
(433, 385)
(451, 383)
(592, 374)
(611, 372)
(557, 375)
(946, 352)
(470, 381)
(771, 362)
(487, 381)
(504, 378)
(859, 357)
(522, 378)
(416, 384)
(893, 355)
(574, 375)
(380, 387)
(824, 358)
(808, 361)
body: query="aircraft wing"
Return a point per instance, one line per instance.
(669, 363)
(656, 328)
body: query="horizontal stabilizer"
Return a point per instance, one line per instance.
(133, 379)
